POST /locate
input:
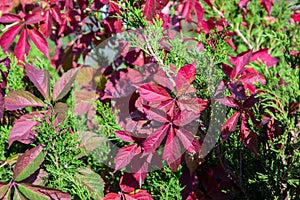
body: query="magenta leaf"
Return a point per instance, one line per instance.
(153, 141)
(39, 192)
(141, 195)
(40, 79)
(28, 163)
(264, 57)
(39, 41)
(184, 78)
(112, 196)
(243, 3)
(172, 151)
(125, 136)
(125, 155)
(191, 6)
(22, 129)
(296, 17)
(248, 137)
(188, 140)
(10, 18)
(195, 105)
(22, 47)
(153, 93)
(239, 62)
(149, 10)
(8, 37)
(34, 18)
(64, 84)
(18, 99)
(128, 183)
(267, 4)
(252, 76)
(230, 126)
(228, 101)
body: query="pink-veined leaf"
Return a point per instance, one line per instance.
(64, 84)
(153, 93)
(172, 151)
(18, 99)
(40, 42)
(230, 125)
(125, 155)
(184, 78)
(40, 192)
(22, 47)
(125, 136)
(128, 183)
(228, 101)
(10, 18)
(188, 140)
(264, 56)
(112, 196)
(267, 4)
(8, 37)
(141, 195)
(149, 10)
(28, 163)
(40, 79)
(22, 129)
(153, 141)
(239, 62)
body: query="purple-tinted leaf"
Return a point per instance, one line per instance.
(128, 183)
(264, 56)
(84, 99)
(125, 136)
(125, 155)
(156, 114)
(39, 192)
(154, 93)
(195, 105)
(228, 101)
(252, 76)
(22, 129)
(37, 178)
(40, 79)
(10, 18)
(230, 125)
(188, 140)
(40, 42)
(184, 78)
(239, 62)
(8, 37)
(153, 141)
(3, 189)
(55, 11)
(193, 6)
(238, 90)
(267, 4)
(249, 138)
(33, 18)
(64, 84)
(92, 181)
(248, 103)
(172, 151)
(89, 141)
(1, 106)
(22, 47)
(141, 195)
(227, 70)
(185, 117)
(28, 163)
(149, 10)
(18, 99)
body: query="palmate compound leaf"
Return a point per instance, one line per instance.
(18, 99)
(40, 79)
(33, 192)
(92, 181)
(28, 163)
(64, 84)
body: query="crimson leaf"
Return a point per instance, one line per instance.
(22, 47)
(230, 125)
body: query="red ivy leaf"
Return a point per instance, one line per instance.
(10, 18)
(153, 93)
(40, 79)
(18, 99)
(264, 56)
(22, 47)
(8, 37)
(125, 155)
(267, 4)
(64, 84)
(230, 125)
(184, 78)
(22, 129)
(39, 41)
